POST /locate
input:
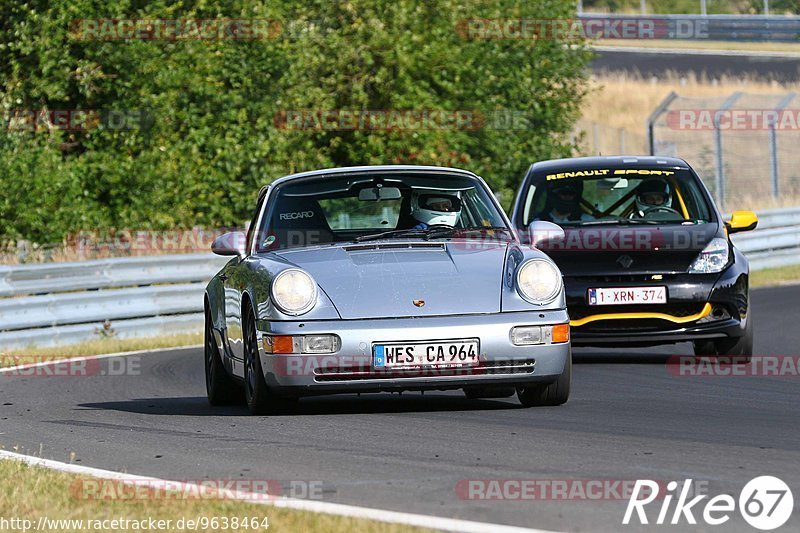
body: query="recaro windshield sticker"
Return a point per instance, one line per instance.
(296, 215)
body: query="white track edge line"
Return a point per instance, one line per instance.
(351, 511)
(50, 362)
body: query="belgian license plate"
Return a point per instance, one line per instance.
(432, 354)
(628, 295)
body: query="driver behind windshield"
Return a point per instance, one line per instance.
(651, 195)
(564, 201)
(429, 209)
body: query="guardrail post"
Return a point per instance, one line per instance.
(773, 157)
(773, 144)
(719, 181)
(651, 120)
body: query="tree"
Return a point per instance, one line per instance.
(214, 128)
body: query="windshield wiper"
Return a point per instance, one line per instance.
(436, 231)
(445, 231)
(644, 221)
(614, 222)
(411, 232)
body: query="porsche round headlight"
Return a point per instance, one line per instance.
(538, 281)
(294, 292)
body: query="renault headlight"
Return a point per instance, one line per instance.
(294, 292)
(713, 258)
(538, 281)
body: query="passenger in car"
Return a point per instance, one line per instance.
(564, 204)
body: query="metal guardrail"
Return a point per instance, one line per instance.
(64, 303)
(776, 241)
(101, 273)
(771, 28)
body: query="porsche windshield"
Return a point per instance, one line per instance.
(616, 196)
(331, 209)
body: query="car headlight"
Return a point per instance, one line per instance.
(294, 292)
(713, 258)
(538, 281)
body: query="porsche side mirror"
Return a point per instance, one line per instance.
(231, 243)
(742, 221)
(542, 231)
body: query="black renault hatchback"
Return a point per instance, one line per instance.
(646, 255)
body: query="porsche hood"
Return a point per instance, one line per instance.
(406, 279)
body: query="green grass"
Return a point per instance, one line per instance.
(769, 277)
(96, 347)
(28, 492)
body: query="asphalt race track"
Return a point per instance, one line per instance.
(628, 418)
(784, 69)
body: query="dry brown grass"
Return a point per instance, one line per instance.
(29, 492)
(624, 102)
(21, 356)
(701, 45)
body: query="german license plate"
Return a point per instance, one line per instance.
(432, 354)
(628, 295)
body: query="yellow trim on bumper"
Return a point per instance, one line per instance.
(663, 316)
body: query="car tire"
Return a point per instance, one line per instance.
(739, 347)
(555, 393)
(221, 389)
(258, 396)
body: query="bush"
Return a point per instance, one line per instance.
(209, 140)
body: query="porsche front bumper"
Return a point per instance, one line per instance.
(352, 369)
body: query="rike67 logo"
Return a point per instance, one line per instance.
(765, 502)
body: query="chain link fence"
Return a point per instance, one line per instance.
(745, 147)
(595, 138)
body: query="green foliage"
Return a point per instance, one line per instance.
(211, 139)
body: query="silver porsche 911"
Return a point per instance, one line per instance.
(386, 278)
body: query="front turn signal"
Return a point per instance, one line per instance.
(560, 333)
